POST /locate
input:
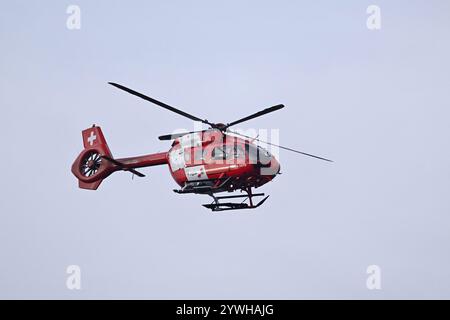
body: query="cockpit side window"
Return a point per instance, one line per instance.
(218, 153)
(194, 156)
(199, 155)
(257, 154)
(264, 156)
(238, 151)
(228, 152)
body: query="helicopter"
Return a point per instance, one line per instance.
(206, 162)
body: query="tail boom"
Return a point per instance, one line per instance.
(149, 160)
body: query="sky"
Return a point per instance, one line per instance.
(374, 101)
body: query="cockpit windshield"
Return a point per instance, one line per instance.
(258, 154)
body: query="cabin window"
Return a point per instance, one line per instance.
(228, 152)
(187, 157)
(238, 151)
(193, 156)
(218, 153)
(199, 155)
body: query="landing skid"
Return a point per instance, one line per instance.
(216, 205)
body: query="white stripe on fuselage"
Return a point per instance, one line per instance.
(195, 173)
(177, 160)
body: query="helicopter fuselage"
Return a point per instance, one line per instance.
(211, 158)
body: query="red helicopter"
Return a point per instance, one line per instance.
(201, 162)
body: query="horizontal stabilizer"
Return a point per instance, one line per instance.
(90, 186)
(123, 167)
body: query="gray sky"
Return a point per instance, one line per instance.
(376, 102)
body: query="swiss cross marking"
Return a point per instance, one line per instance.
(91, 138)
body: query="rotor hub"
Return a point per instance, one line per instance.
(220, 126)
(90, 163)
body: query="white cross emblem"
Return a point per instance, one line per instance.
(91, 138)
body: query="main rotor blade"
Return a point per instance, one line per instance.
(159, 103)
(175, 135)
(255, 115)
(171, 136)
(281, 147)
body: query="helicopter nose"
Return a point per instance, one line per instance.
(275, 165)
(271, 169)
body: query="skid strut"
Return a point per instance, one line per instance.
(216, 205)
